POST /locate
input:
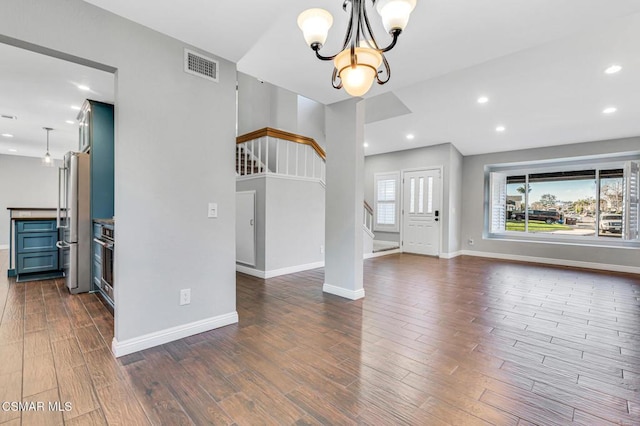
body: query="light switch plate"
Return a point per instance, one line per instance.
(213, 210)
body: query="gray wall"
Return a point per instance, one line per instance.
(289, 221)
(455, 198)
(173, 154)
(261, 104)
(444, 155)
(473, 212)
(295, 218)
(343, 271)
(25, 182)
(311, 116)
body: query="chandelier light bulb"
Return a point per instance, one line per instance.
(395, 13)
(358, 78)
(315, 24)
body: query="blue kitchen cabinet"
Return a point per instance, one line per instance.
(96, 129)
(36, 251)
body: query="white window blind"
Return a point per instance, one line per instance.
(386, 209)
(632, 201)
(498, 202)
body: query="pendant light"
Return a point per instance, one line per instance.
(47, 160)
(356, 66)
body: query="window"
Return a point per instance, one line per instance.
(575, 201)
(386, 207)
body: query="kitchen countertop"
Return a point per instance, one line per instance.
(32, 213)
(105, 221)
(31, 208)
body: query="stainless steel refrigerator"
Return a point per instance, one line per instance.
(74, 220)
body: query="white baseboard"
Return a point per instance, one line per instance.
(559, 262)
(450, 255)
(170, 334)
(4, 246)
(381, 253)
(250, 271)
(277, 272)
(300, 268)
(343, 292)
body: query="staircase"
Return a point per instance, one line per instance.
(279, 153)
(247, 163)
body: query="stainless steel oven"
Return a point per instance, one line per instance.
(107, 244)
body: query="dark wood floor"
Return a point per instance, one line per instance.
(465, 341)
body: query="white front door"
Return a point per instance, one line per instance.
(421, 214)
(245, 227)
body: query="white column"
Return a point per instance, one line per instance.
(344, 198)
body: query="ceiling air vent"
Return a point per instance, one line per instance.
(196, 64)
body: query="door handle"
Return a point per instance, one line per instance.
(251, 222)
(436, 219)
(103, 243)
(62, 245)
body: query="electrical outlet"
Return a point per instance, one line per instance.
(470, 241)
(321, 248)
(185, 296)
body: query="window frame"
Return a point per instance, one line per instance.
(395, 176)
(623, 161)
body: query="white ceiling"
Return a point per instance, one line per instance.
(540, 62)
(40, 91)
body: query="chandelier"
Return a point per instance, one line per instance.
(356, 65)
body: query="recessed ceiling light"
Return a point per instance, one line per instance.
(410, 136)
(483, 100)
(366, 145)
(609, 110)
(13, 150)
(83, 87)
(70, 122)
(7, 135)
(613, 69)
(500, 129)
(75, 107)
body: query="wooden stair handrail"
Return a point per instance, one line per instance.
(281, 134)
(368, 207)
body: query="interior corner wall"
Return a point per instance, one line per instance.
(284, 109)
(418, 158)
(474, 202)
(295, 217)
(174, 149)
(25, 183)
(254, 104)
(311, 116)
(261, 104)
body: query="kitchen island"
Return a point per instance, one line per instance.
(33, 235)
